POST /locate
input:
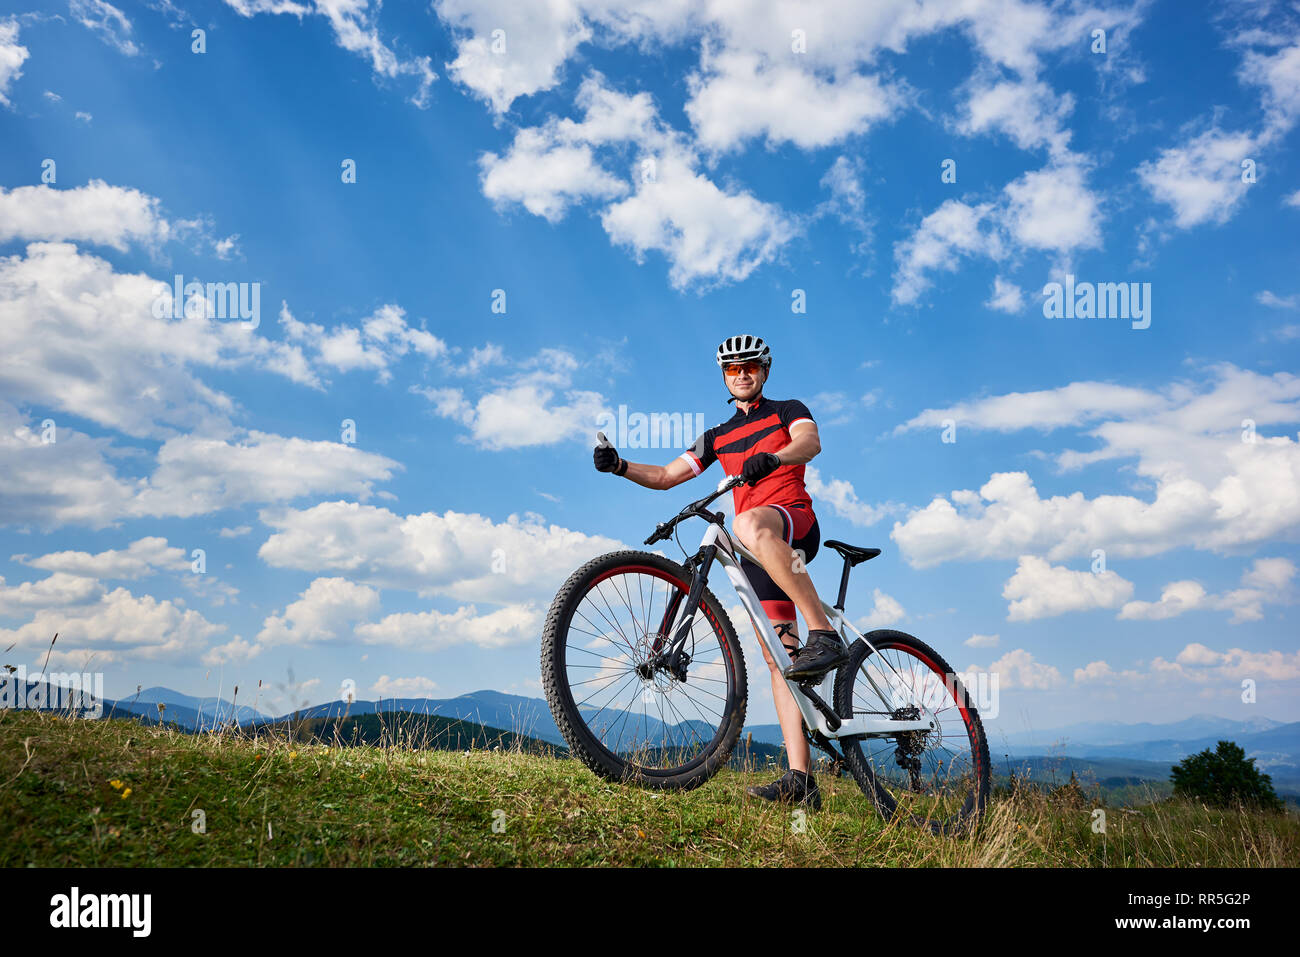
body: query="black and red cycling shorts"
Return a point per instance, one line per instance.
(801, 532)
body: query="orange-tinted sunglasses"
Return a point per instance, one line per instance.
(736, 368)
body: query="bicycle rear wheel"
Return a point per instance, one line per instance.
(625, 719)
(937, 779)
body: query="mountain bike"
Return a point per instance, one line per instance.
(646, 681)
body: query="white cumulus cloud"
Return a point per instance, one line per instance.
(1212, 489)
(1041, 590)
(12, 56)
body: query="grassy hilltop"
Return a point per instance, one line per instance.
(115, 793)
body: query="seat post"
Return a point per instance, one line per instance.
(844, 584)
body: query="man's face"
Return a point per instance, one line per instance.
(746, 382)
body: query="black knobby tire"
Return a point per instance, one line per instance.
(957, 789)
(709, 705)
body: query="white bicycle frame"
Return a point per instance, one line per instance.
(729, 553)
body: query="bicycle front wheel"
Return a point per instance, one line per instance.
(937, 778)
(622, 716)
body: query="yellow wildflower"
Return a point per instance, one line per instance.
(115, 784)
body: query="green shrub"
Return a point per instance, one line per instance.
(1224, 777)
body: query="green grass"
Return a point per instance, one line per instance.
(402, 730)
(273, 802)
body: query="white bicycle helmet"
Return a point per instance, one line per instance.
(744, 349)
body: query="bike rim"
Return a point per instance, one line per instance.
(946, 786)
(655, 725)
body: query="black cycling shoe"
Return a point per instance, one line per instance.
(795, 787)
(824, 652)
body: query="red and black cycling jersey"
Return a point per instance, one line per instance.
(765, 427)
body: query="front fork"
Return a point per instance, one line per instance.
(669, 653)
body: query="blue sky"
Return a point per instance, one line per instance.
(641, 180)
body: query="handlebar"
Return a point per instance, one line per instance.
(695, 509)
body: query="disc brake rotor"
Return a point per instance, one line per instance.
(651, 668)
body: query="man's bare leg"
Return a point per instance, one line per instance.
(787, 712)
(760, 530)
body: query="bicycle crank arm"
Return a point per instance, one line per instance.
(833, 720)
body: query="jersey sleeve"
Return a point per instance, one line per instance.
(793, 411)
(700, 455)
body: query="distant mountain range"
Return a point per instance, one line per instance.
(1143, 750)
(1274, 746)
(1114, 733)
(186, 710)
(526, 716)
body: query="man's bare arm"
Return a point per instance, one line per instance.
(659, 476)
(804, 445)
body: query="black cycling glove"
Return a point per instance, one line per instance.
(606, 459)
(760, 466)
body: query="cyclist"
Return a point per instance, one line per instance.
(767, 441)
